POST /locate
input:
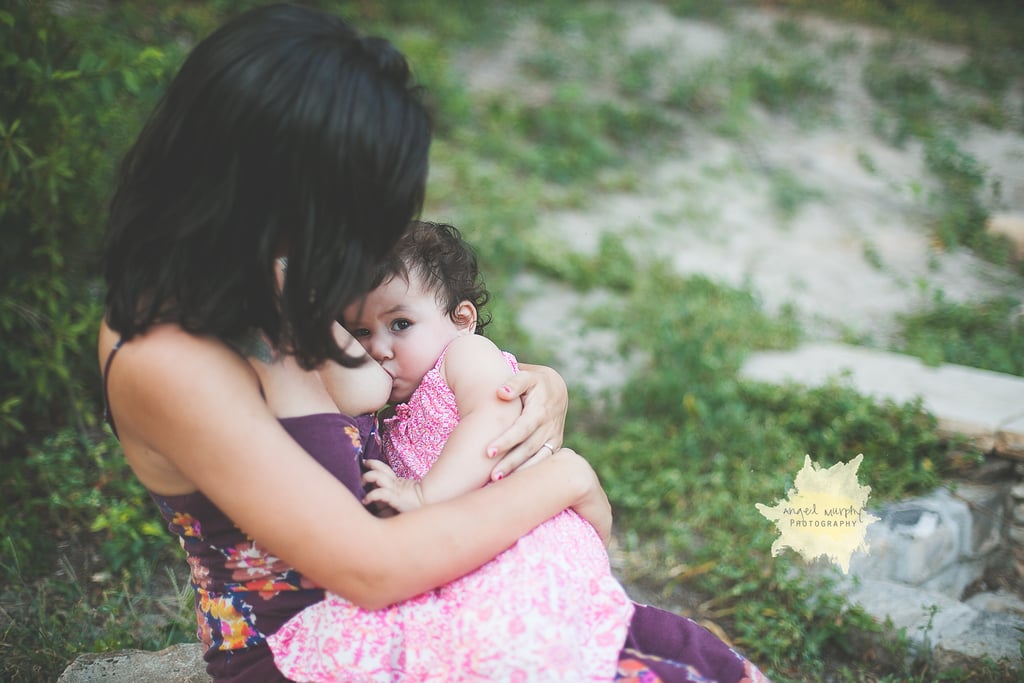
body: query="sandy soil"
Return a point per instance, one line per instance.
(849, 260)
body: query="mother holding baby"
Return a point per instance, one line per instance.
(288, 134)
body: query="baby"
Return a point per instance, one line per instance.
(547, 608)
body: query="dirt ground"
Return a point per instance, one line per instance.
(851, 258)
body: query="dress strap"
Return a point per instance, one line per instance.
(440, 359)
(107, 415)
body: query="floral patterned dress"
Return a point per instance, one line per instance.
(242, 592)
(546, 609)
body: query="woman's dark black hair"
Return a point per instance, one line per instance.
(446, 265)
(284, 133)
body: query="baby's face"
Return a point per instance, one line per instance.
(402, 327)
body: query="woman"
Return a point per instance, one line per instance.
(287, 134)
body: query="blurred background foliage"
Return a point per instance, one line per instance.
(85, 563)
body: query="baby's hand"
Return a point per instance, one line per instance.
(399, 494)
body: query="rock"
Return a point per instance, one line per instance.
(987, 504)
(181, 663)
(989, 636)
(990, 470)
(953, 634)
(935, 542)
(981, 405)
(997, 601)
(1010, 438)
(1010, 226)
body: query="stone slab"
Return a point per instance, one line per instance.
(985, 406)
(1010, 438)
(181, 663)
(957, 634)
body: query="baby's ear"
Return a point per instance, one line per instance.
(465, 317)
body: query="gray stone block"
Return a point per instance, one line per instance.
(989, 635)
(1010, 437)
(953, 633)
(1016, 534)
(176, 664)
(997, 601)
(987, 505)
(981, 405)
(920, 543)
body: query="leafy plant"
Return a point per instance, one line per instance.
(64, 108)
(692, 447)
(905, 89)
(986, 334)
(684, 454)
(790, 84)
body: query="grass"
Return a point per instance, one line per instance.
(987, 334)
(86, 564)
(687, 447)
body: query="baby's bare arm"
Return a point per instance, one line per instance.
(472, 367)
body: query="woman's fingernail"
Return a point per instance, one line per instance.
(498, 476)
(507, 389)
(491, 452)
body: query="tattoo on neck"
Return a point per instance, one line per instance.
(253, 344)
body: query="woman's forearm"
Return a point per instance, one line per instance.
(439, 543)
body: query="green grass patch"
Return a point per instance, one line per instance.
(691, 448)
(86, 561)
(987, 334)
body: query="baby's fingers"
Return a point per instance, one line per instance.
(379, 495)
(379, 479)
(377, 466)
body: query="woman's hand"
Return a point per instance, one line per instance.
(538, 431)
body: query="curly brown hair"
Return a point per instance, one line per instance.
(446, 264)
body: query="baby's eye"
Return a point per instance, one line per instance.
(360, 333)
(400, 324)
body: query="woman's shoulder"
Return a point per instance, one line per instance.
(163, 343)
(164, 363)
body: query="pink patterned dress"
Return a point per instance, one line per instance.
(546, 609)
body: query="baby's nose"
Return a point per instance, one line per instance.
(380, 349)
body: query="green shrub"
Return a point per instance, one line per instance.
(65, 109)
(78, 556)
(790, 84)
(691, 448)
(71, 97)
(987, 334)
(905, 90)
